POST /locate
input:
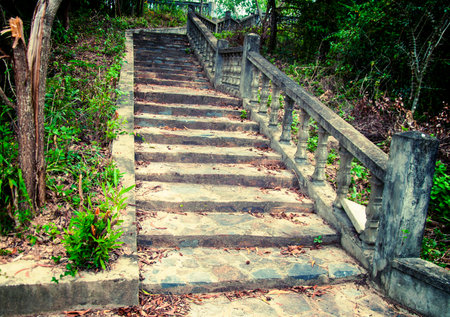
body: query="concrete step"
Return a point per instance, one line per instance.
(142, 72)
(231, 230)
(171, 76)
(183, 95)
(186, 110)
(203, 270)
(200, 137)
(215, 173)
(197, 123)
(164, 82)
(167, 59)
(203, 154)
(152, 66)
(188, 197)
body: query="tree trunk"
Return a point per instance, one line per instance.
(30, 73)
(25, 117)
(38, 55)
(259, 11)
(273, 26)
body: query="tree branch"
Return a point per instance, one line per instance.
(6, 99)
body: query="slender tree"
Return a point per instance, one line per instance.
(30, 73)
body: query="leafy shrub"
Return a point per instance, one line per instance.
(440, 194)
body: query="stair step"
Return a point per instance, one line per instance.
(183, 122)
(183, 95)
(214, 173)
(202, 270)
(203, 154)
(187, 110)
(151, 66)
(167, 59)
(182, 197)
(219, 230)
(200, 137)
(178, 83)
(171, 76)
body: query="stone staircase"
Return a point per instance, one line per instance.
(216, 209)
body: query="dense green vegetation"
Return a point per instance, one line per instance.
(84, 194)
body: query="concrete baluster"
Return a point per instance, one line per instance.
(373, 211)
(255, 86)
(302, 135)
(264, 93)
(287, 120)
(274, 105)
(343, 177)
(220, 63)
(321, 157)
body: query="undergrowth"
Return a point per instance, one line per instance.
(83, 191)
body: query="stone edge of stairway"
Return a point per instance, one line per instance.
(30, 290)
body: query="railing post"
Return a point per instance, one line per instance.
(287, 120)
(302, 136)
(264, 93)
(321, 157)
(373, 211)
(218, 72)
(406, 194)
(227, 21)
(251, 44)
(274, 105)
(343, 177)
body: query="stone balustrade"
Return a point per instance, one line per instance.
(400, 184)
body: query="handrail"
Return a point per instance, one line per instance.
(357, 144)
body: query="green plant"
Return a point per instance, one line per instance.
(243, 114)
(92, 235)
(318, 240)
(440, 194)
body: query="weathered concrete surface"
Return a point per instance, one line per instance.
(221, 198)
(200, 137)
(189, 110)
(187, 122)
(26, 287)
(341, 300)
(202, 154)
(215, 173)
(200, 270)
(420, 285)
(231, 230)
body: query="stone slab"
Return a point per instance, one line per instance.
(200, 137)
(233, 230)
(200, 270)
(188, 110)
(153, 196)
(197, 123)
(215, 173)
(206, 154)
(356, 213)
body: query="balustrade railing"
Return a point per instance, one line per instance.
(245, 73)
(390, 236)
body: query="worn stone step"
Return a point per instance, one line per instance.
(182, 197)
(186, 110)
(167, 59)
(200, 137)
(190, 84)
(231, 230)
(202, 270)
(188, 122)
(203, 154)
(183, 95)
(265, 174)
(141, 73)
(200, 77)
(152, 66)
